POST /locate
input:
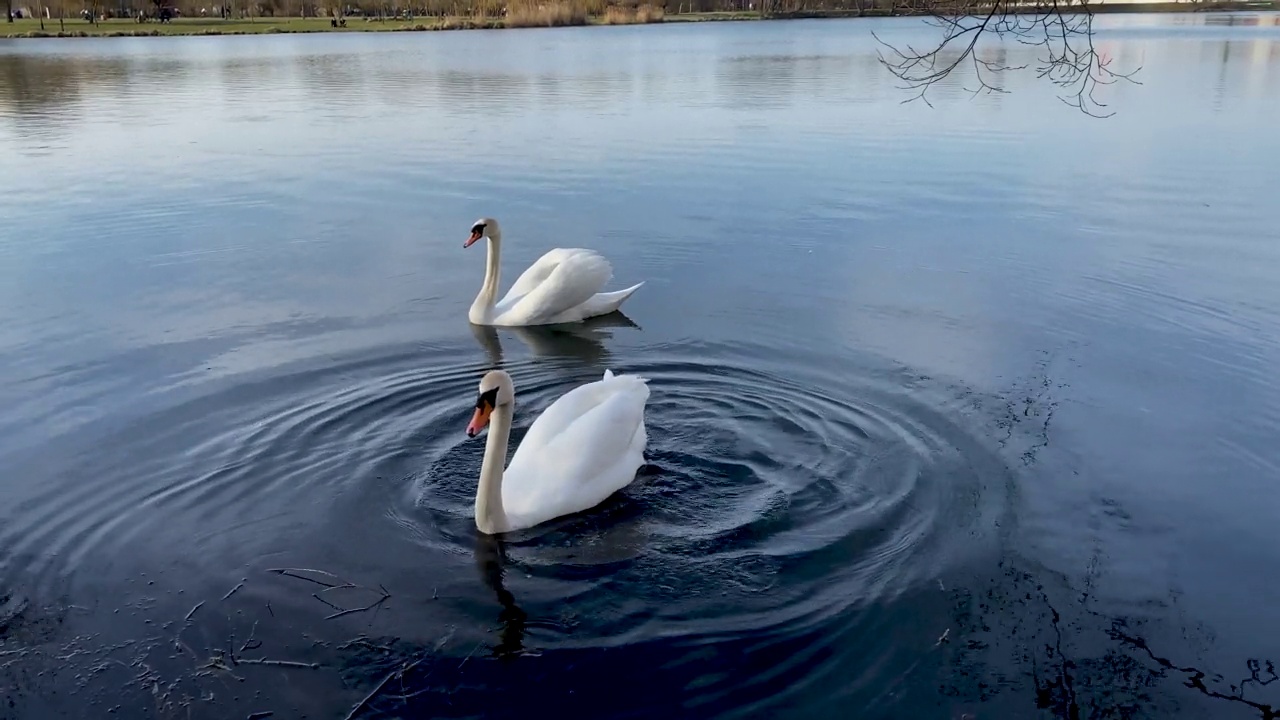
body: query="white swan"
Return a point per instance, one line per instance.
(585, 447)
(563, 286)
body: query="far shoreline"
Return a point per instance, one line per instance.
(644, 15)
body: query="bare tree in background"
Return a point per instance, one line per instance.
(1062, 30)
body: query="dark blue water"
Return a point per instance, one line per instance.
(962, 410)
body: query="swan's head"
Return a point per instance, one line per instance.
(484, 227)
(496, 389)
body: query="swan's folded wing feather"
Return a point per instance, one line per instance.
(584, 463)
(538, 272)
(570, 283)
(562, 413)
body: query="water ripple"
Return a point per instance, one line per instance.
(787, 500)
(782, 505)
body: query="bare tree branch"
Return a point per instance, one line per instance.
(1062, 30)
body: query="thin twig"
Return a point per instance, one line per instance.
(252, 643)
(233, 590)
(279, 663)
(193, 611)
(292, 572)
(326, 602)
(365, 642)
(390, 676)
(407, 696)
(370, 606)
(468, 657)
(343, 586)
(1063, 32)
(340, 584)
(215, 663)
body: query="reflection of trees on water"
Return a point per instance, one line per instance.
(44, 92)
(1036, 644)
(40, 95)
(757, 81)
(50, 95)
(456, 91)
(1241, 20)
(1039, 636)
(781, 80)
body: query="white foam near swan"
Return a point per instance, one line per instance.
(563, 286)
(583, 448)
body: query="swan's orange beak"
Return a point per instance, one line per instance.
(475, 235)
(479, 420)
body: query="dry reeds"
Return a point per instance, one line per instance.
(475, 22)
(549, 13)
(650, 14)
(557, 13)
(639, 15)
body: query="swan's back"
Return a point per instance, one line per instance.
(582, 449)
(559, 282)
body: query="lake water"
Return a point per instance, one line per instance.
(962, 411)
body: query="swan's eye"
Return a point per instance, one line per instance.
(478, 230)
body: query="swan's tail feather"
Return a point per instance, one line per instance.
(605, 303)
(638, 379)
(611, 374)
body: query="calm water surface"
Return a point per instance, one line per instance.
(963, 411)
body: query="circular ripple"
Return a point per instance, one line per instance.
(217, 473)
(790, 504)
(777, 498)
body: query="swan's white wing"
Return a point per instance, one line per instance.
(562, 413)
(538, 272)
(575, 465)
(572, 281)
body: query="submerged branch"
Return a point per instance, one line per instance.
(338, 584)
(293, 573)
(277, 663)
(394, 674)
(349, 611)
(233, 590)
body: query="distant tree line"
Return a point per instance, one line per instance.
(401, 8)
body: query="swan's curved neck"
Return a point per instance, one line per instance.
(490, 516)
(484, 302)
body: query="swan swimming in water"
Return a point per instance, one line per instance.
(563, 286)
(583, 448)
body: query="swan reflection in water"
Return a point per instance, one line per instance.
(491, 561)
(582, 341)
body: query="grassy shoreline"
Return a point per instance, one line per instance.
(544, 16)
